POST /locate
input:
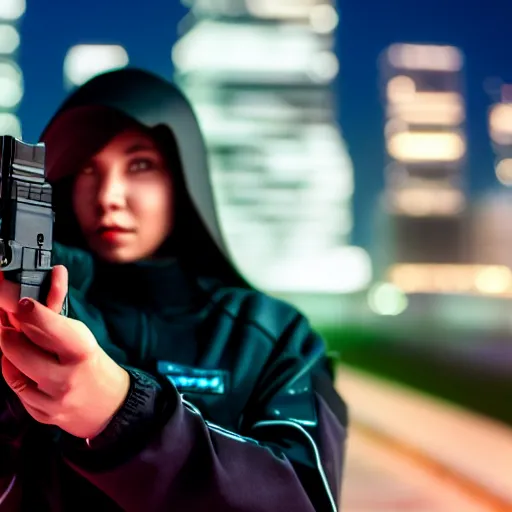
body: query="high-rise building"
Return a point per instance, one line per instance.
(11, 76)
(259, 74)
(426, 232)
(440, 245)
(492, 213)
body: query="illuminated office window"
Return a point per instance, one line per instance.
(12, 9)
(86, 61)
(9, 39)
(10, 125)
(424, 57)
(281, 9)
(11, 85)
(323, 18)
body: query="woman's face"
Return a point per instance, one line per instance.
(123, 199)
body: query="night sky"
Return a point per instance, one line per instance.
(480, 29)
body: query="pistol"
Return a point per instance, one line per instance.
(27, 218)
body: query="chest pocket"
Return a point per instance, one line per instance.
(208, 390)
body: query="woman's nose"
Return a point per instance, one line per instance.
(111, 193)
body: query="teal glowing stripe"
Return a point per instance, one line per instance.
(189, 379)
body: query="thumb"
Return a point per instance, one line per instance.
(58, 288)
(68, 339)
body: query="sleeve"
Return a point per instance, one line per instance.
(305, 419)
(14, 422)
(160, 454)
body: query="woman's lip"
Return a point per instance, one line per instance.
(114, 229)
(113, 235)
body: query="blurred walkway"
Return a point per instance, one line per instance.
(409, 452)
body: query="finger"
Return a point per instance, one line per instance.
(9, 294)
(4, 319)
(69, 339)
(8, 320)
(14, 378)
(33, 362)
(39, 414)
(58, 289)
(39, 338)
(34, 401)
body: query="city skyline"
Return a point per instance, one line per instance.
(359, 41)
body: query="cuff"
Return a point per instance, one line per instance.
(148, 405)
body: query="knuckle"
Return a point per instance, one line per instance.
(57, 386)
(61, 390)
(18, 386)
(65, 403)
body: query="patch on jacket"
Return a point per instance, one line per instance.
(194, 380)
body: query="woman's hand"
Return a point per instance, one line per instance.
(56, 367)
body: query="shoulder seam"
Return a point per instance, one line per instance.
(250, 322)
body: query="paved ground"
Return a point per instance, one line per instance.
(408, 452)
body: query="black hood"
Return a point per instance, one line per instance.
(138, 96)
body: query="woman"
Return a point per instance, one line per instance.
(187, 390)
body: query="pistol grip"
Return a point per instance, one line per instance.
(35, 284)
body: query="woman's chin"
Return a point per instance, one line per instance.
(120, 255)
(123, 250)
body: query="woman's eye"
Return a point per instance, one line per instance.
(141, 164)
(88, 170)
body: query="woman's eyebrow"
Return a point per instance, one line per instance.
(139, 146)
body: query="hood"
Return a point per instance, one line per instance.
(136, 96)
